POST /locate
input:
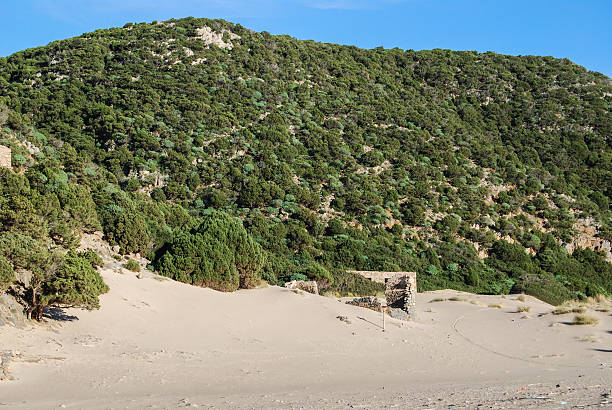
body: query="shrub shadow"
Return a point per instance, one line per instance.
(58, 314)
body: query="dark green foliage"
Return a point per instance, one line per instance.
(92, 257)
(218, 253)
(76, 284)
(318, 273)
(132, 265)
(53, 279)
(298, 276)
(7, 273)
(543, 287)
(350, 284)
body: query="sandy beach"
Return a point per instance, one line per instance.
(156, 343)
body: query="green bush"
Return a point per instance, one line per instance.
(298, 276)
(92, 257)
(318, 273)
(76, 284)
(350, 284)
(7, 274)
(218, 253)
(132, 265)
(544, 288)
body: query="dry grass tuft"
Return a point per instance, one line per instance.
(457, 299)
(592, 302)
(522, 309)
(521, 298)
(585, 320)
(496, 306)
(477, 303)
(437, 300)
(599, 300)
(590, 339)
(566, 310)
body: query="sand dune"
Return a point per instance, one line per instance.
(162, 344)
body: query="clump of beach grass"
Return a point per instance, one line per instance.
(585, 320)
(457, 299)
(437, 300)
(563, 310)
(496, 306)
(523, 308)
(589, 339)
(521, 298)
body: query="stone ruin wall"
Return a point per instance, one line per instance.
(400, 292)
(380, 277)
(5, 157)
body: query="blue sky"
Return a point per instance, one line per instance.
(580, 30)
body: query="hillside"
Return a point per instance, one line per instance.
(481, 172)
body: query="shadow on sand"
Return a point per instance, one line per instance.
(366, 320)
(58, 314)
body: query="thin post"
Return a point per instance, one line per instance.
(382, 310)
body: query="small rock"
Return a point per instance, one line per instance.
(344, 319)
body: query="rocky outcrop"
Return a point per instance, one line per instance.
(401, 296)
(11, 312)
(5, 157)
(585, 236)
(306, 286)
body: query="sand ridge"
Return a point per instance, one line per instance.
(160, 343)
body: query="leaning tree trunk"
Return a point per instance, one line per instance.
(35, 310)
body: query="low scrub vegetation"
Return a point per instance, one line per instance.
(585, 320)
(132, 265)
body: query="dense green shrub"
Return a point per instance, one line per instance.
(132, 265)
(7, 274)
(92, 257)
(75, 284)
(545, 288)
(318, 273)
(218, 253)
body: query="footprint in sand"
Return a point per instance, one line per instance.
(87, 341)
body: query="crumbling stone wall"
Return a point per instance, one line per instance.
(401, 293)
(5, 157)
(368, 302)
